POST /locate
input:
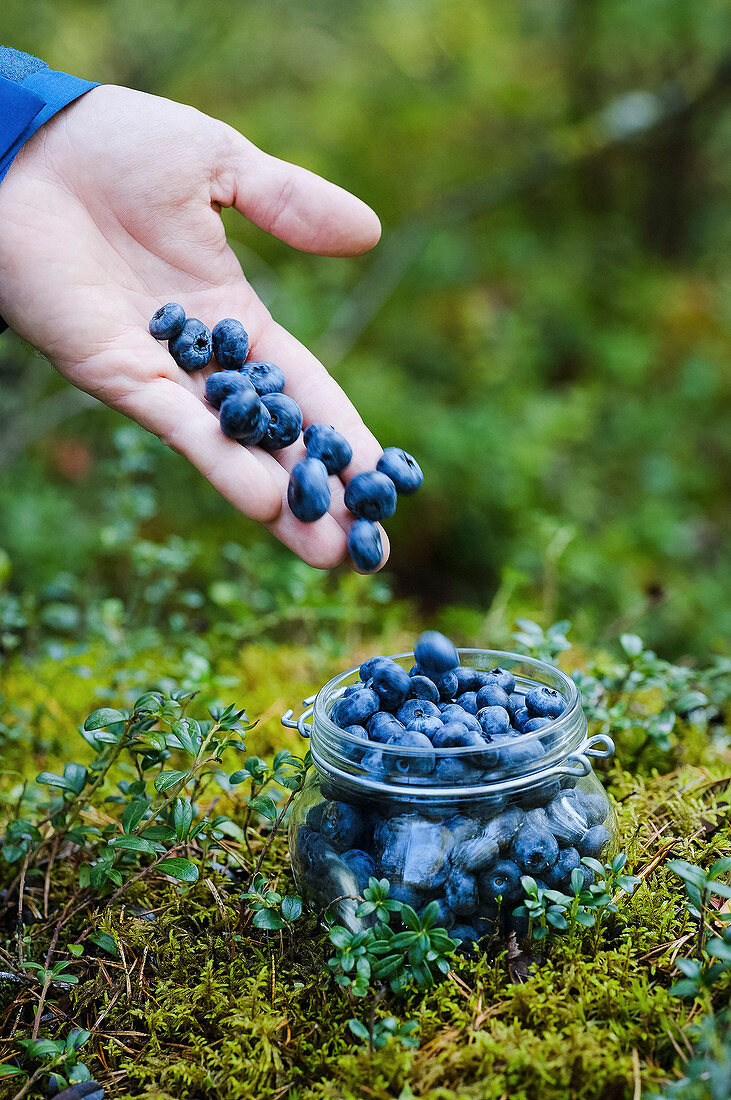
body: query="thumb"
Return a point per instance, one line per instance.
(293, 204)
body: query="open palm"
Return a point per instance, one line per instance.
(112, 209)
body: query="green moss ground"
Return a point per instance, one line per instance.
(204, 1005)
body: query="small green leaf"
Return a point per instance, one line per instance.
(180, 868)
(631, 644)
(133, 814)
(263, 804)
(359, 1030)
(132, 844)
(291, 907)
(182, 818)
(104, 941)
(165, 780)
(106, 716)
(76, 949)
(268, 919)
(11, 1071)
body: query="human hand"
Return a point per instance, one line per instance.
(113, 208)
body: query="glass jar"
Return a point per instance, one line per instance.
(461, 826)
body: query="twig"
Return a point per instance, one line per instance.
(20, 908)
(141, 874)
(272, 835)
(49, 868)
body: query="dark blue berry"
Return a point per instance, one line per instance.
(492, 695)
(265, 377)
(461, 892)
(516, 702)
(167, 322)
(341, 825)
(285, 423)
(371, 496)
(456, 771)
(453, 712)
(192, 348)
(417, 760)
(429, 726)
(355, 709)
(361, 864)
(544, 702)
(435, 653)
(593, 841)
(501, 677)
(494, 721)
(521, 718)
(351, 751)
(222, 383)
(468, 679)
(424, 688)
(365, 546)
(230, 344)
(454, 735)
(467, 936)
(369, 666)
(477, 853)
(416, 708)
(594, 806)
(308, 493)
(536, 724)
(403, 470)
(468, 701)
(243, 417)
(324, 442)
(382, 726)
(566, 821)
(444, 916)
(502, 880)
(391, 683)
(534, 849)
(560, 874)
(446, 683)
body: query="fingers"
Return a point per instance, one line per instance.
(183, 422)
(293, 204)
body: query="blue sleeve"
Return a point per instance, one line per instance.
(30, 94)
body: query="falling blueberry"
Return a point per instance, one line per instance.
(435, 653)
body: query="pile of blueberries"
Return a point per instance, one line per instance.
(469, 853)
(254, 410)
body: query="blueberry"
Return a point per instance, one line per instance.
(595, 807)
(392, 684)
(308, 493)
(494, 720)
(456, 771)
(452, 712)
(333, 449)
(417, 760)
(446, 684)
(468, 679)
(192, 348)
(361, 864)
(501, 677)
(560, 874)
(467, 936)
(536, 724)
(167, 322)
(506, 826)
(516, 702)
(461, 892)
(502, 880)
(454, 735)
(222, 383)
(544, 702)
(403, 470)
(230, 344)
(467, 700)
(243, 417)
(382, 726)
(424, 688)
(314, 816)
(365, 546)
(285, 423)
(357, 686)
(265, 377)
(534, 849)
(416, 670)
(371, 496)
(369, 666)
(408, 895)
(416, 708)
(355, 709)
(477, 853)
(593, 841)
(435, 653)
(492, 695)
(411, 850)
(565, 821)
(428, 726)
(342, 825)
(352, 751)
(518, 754)
(314, 852)
(461, 828)
(521, 718)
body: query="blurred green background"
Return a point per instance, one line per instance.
(546, 323)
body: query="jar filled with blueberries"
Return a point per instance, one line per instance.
(452, 774)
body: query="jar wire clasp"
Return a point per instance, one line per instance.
(301, 723)
(600, 746)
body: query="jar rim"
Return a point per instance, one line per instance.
(558, 740)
